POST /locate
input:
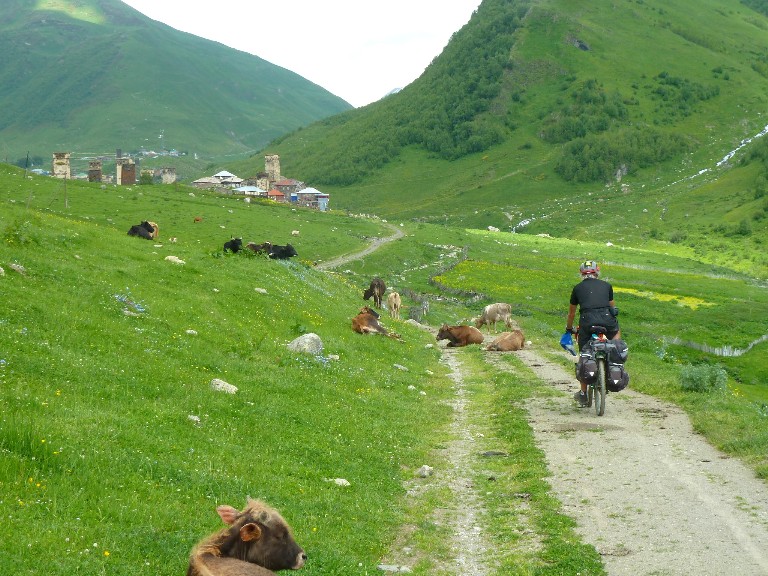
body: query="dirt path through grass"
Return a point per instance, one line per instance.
(372, 247)
(652, 496)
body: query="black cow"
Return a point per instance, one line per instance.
(282, 252)
(234, 245)
(376, 289)
(143, 230)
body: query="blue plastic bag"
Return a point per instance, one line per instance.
(566, 341)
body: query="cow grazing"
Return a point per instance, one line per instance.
(508, 342)
(282, 252)
(459, 335)
(234, 245)
(493, 314)
(155, 229)
(394, 302)
(376, 289)
(256, 542)
(367, 322)
(143, 230)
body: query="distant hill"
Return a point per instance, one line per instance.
(601, 118)
(96, 75)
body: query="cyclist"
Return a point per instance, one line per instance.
(594, 298)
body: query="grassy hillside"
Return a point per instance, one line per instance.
(94, 76)
(116, 450)
(608, 119)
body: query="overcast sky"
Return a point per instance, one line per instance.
(359, 50)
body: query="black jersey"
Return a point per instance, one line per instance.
(591, 294)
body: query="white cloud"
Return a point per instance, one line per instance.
(357, 49)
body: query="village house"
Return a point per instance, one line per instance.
(268, 184)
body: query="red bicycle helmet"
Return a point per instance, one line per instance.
(589, 267)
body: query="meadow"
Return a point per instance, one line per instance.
(115, 449)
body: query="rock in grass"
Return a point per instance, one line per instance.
(308, 344)
(220, 386)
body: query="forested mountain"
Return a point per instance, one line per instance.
(602, 87)
(608, 118)
(96, 75)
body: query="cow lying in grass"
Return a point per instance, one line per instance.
(234, 245)
(256, 542)
(274, 251)
(508, 342)
(367, 322)
(144, 230)
(459, 335)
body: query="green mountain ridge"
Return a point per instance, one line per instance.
(575, 118)
(95, 76)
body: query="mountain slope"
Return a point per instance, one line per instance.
(98, 75)
(621, 108)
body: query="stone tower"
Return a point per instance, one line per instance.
(272, 167)
(61, 167)
(94, 171)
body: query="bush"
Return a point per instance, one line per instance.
(702, 378)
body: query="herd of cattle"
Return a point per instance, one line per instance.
(367, 322)
(274, 251)
(150, 231)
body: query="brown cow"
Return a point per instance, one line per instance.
(376, 289)
(460, 335)
(263, 248)
(394, 303)
(508, 342)
(156, 231)
(367, 322)
(256, 542)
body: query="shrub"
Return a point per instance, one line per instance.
(702, 378)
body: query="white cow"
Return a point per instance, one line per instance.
(494, 313)
(394, 302)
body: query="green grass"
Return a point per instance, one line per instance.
(104, 467)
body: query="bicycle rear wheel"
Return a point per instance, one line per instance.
(600, 388)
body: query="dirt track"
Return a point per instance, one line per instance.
(653, 497)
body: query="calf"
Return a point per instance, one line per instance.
(234, 245)
(143, 230)
(367, 322)
(459, 335)
(282, 252)
(494, 313)
(256, 542)
(394, 302)
(508, 342)
(155, 229)
(263, 248)
(376, 289)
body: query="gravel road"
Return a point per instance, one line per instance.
(650, 494)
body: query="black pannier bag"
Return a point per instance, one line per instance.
(586, 368)
(617, 378)
(617, 351)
